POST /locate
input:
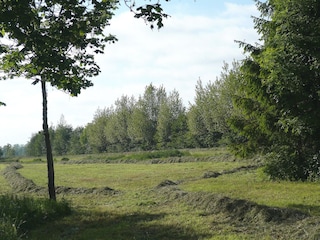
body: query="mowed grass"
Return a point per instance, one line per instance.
(140, 212)
(122, 176)
(250, 185)
(253, 185)
(137, 212)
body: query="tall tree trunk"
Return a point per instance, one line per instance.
(51, 187)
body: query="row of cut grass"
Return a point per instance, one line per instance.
(253, 186)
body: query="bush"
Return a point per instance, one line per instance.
(286, 163)
(18, 214)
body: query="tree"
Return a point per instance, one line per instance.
(143, 124)
(282, 84)
(171, 122)
(35, 146)
(163, 133)
(62, 137)
(202, 121)
(209, 117)
(19, 150)
(96, 130)
(140, 128)
(8, 151)
(54, 42)
(220, 100)
(196, 127)
(77, 142)
(1, 152)
(117, 127)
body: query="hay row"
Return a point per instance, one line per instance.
(237, 210)
(21, 184)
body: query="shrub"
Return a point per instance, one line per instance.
(286, 163)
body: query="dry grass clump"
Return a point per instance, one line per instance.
(212, 174)
(71, 190)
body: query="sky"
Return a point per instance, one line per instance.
(193, 44)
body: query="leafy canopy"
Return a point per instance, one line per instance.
(54, 40)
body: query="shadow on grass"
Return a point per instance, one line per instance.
(309, 209)
(96, 226)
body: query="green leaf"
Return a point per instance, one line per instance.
(2, 32)
(33, 70)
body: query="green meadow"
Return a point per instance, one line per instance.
(202, 195)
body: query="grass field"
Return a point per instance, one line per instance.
(176, 201)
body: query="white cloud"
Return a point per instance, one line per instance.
(189, 47)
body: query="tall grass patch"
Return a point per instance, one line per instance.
(20, 214)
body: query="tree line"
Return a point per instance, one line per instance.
(267, 104)
(157, 119)
(11, 151)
